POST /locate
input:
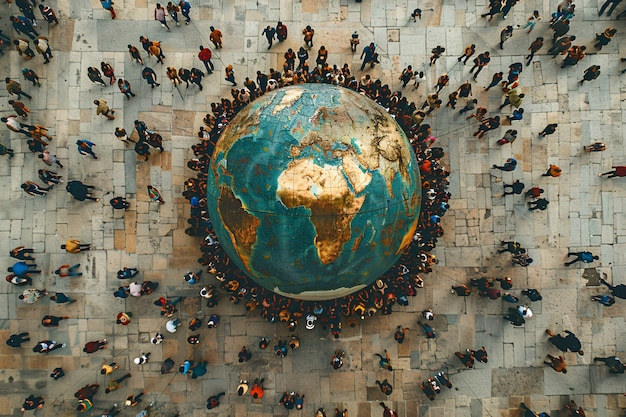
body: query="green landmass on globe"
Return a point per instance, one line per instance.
(314, 191)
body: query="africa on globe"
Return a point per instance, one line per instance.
(313, 191)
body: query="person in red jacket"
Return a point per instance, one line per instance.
(205, 55)
(618, 171)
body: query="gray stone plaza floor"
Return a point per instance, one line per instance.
(585, 213)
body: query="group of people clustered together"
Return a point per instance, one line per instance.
(396, 286)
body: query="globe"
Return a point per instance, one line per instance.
(313, 191)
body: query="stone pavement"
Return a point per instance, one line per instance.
(586, 212)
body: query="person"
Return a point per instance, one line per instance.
(167, 366)
(244, 355)
(553, 171)
(33, 403)
(125, 88)
(605, 300)
(94, 75)
(57, 373)
(159, 15)
(436, 53)
(43, 47)
(123, 318)
(281, 32)
(516, 188)
(614, 364)
(199, 369)
(22, 253)
(308, 33)
(49, 177)
(173, 10)
(281, 349)
(270, 34)
(557, 363)
(135, 55)
(514, 317)
(337, 360)
(133, 400)
(61, 298)
(103, 109)
(172, 325)
(529, 413)
(108, 5)
(141, 359)
(595, 147)
(115, 384)
(119, 203)
(385, 387)
(15, 88)
(480, 355)
(618, 171)
(538, 204)
(16, 340)
(509, 137)
(230, 74)
(158, 338)
(214, 400)
(185, 8)
(548, 130)
(48, 14)
(20, 108)
(467, 359)
(509, 165)
(400, 334)
(569, 342)
(416, 14)
(33, 189)
(94, 346)
(480, 62)
(193, 277)
(467, 53)
(618, 291)
(86, 147)
(46, 346)
(52, 321)
(242, 388)
(388, 412)
(257, 390)
(461, 290)
(155, 195)
(264, 343)
(205, 55)
(385, 362)
(506, 33)
(112, 412)
(80, 191)
(149, 75)
(32, 295)
(108, 369)
(216, 37)
(590, 74)
(603, 38)
(584, 256)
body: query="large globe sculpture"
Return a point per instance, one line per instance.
(313, 191)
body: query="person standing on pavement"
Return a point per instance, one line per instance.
(52, 321)
(108, 5)
(569, 342)
(85, 147)
(281, 32)
(185, 8)
(506, 33)
(583, 256)
(68, 271)
(149, 75)
(553, 171)
(538, 204)
(23, 48)
(205, 56)
(135, 55)
(103, 109)
(270, 34)
(159, 15)
(534, 47)
(125, 88)
(436, 53)
(590, 74)
(15, 88)
(467, 53)
(480, 62)
(369, 55)
(216, 37)
(108, 71)
(548, 130)
(20, 108)
(22, 25)
(43, 47)
(308, 34)
(16, 340)
(33, 189)
(173, 10)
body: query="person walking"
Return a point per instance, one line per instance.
(506, 33)
(513, 98)
(516, 188)
(509, 165)
(538, 204)
(43, 47)
(281, 32)
(159, 15)
(569, 342)
(548, 130)
(15, 88)
(125, 88)
(66, 270)
(270, 34)
(149, 75)
(532, 21)
(61, 298)
(583, 256)
(108, 5)
(20, 108)
(172, 10)
(135, 55)
(534, 47)
(33, 189)
(590, 74)
(603, 38)
(556, 363)
(436, 53)
(618, 290)
(94, 346)
(385, 387)
(480, 62)
(52, 321)
(48, 14)
(618, 171)
(230, 75)
(553, 171)
(216, 37)
(467, 53)
(308, 34)
(385, 362)
(16, 340)
(185, 9)
(205, 55)
(21, 24)
(74, 246)
(369, 56)
(85, 147)
(614, 364)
